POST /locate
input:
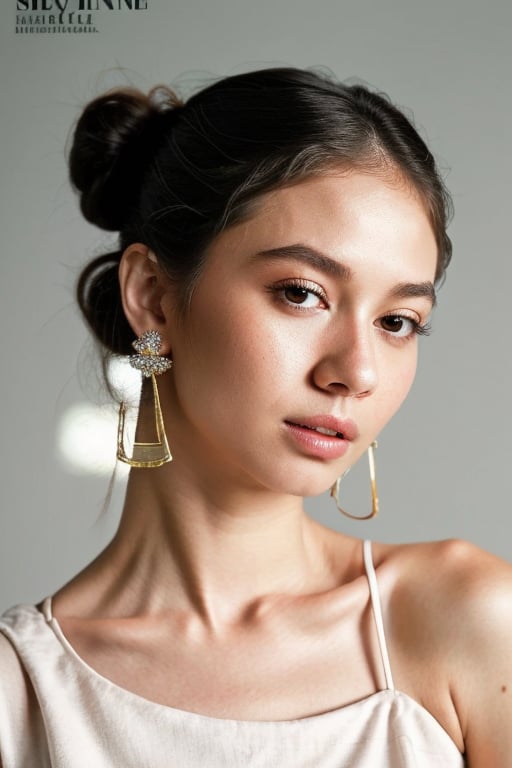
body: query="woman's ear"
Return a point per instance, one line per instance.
(143, 285)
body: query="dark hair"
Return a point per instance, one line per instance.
(172, 175)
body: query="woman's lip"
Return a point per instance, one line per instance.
(345, 427)
(317, 444)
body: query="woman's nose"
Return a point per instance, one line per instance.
(348, 364)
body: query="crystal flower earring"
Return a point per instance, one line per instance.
(151, 364)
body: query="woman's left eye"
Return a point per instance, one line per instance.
(399, 325)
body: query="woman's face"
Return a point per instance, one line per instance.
(301, 340)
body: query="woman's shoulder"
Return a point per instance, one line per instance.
(10, 665)
(22, 620)
(469, 592)
(456, 587)
(22, 638)
(441, 572)
(22, 732)
(450, 613)
(14, 624)
(16, 693)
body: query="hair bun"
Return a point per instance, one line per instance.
(113, 142)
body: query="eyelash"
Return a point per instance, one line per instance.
(278, 289)
(418, 329)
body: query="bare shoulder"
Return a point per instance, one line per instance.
(450, 605)
(481, 583)
(441, 572)
(457, 594)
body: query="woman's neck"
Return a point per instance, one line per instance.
(218, 556)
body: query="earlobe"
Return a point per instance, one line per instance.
(143, 285)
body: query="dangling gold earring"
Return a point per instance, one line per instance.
(375, 498)
(150, 364)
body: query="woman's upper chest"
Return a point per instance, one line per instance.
(285, 658)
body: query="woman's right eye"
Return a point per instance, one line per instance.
(300, 294)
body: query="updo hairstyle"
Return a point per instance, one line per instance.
(173, 175)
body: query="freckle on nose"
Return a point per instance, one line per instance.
(503, 688)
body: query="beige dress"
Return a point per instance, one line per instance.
(57, 711)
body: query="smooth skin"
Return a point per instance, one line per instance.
(218, 594)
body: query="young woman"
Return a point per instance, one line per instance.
(281, 237)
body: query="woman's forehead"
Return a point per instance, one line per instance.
(345, 215)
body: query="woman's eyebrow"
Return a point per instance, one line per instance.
(411, 290)
(318, 260)
(310, 256)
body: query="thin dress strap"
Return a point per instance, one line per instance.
(377, 612)
(46, 609)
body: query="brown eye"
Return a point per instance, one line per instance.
(392, 323)
(296, 294)
(398, 325)
(300, 294)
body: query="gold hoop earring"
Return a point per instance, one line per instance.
(151, 365)
(335, 489)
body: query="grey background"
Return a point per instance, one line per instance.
(444, 462)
